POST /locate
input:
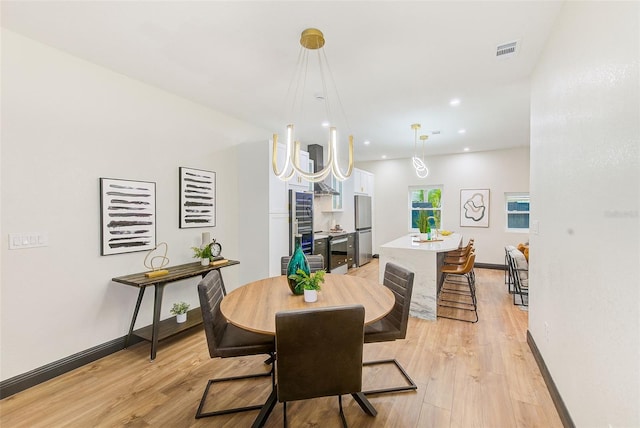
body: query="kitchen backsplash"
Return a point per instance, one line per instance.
(324, 219)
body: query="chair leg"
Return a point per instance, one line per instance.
(410, 387)
(200, 414)
(473, 306)
(267, 408)
(284, 413)
(364, 404)
(344, 420)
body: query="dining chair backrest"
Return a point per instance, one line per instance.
(400, 281)
(210, 292)
(393, 326)
(316, 263)
(319, 352)
(225, 339)
(468, 266)
(462, 268)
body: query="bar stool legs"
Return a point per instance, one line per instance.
(458, 290)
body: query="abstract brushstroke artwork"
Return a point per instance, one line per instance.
(197, 198)
(474, 207)
(128, 210)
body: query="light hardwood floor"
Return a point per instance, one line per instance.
(468, 375)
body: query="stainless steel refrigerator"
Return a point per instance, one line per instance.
(364, 245)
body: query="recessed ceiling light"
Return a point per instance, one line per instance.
(466, 149)
(325, 124)
(366, 142)
(462, 131)
(454, 102)
(384, 156)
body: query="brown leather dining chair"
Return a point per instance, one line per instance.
(394, 325)
(226, 340)
(316, 263)
(319, 354)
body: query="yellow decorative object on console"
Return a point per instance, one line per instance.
(156, 273)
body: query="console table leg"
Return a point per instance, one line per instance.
(157, 306)
(135, 316)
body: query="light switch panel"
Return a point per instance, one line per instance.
(27, 240)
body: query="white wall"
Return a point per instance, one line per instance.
(500, 171)
(65, 124)
(584, 308)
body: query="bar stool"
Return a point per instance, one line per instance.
(468, 289)
(462, 250)
(456, 257)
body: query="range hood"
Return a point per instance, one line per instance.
(316, 154)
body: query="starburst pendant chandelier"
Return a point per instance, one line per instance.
(418, 163)
(311, 40)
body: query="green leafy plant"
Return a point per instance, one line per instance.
(423, 222)
(202, 253)
(308, 282)
(179, 308)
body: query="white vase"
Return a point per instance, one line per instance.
(204, 262)
(424, 236)
(310, 296)
(180, 318)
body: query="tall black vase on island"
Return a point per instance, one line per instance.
(297, 261)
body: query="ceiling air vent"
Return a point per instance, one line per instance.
(506, 50)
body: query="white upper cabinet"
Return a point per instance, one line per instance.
(362, 182)
(298, 183)
(278, 201)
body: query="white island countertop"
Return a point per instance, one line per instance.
(424, 259)
(411, 242)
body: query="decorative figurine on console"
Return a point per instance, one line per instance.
(156, 270)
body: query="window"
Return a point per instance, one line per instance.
(425, 199)
(517, 208)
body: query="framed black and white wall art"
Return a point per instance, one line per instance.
(197, 198)
(128, 216)
(474, 207)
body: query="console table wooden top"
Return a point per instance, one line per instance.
(176, 273)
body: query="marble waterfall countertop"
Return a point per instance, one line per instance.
(424, 259)
(411, 242)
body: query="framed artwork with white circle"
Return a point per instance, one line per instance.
(474, 207)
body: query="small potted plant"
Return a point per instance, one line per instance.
(180, 311)
(202, 253)
(309, 283)
(423, 226)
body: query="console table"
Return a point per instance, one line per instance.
(159, 330)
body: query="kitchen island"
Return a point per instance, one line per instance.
(424, 259)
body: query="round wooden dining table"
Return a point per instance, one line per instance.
(253, 306)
